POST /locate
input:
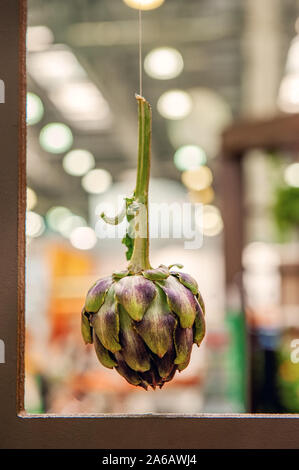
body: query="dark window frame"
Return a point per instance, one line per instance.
(18, 430)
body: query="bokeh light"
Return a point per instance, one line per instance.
(97, 181)
(291, 175)
(56, 216)
(175, 104)
(78, 162)
(83, 238)
(197, 179)
(70, 223)
(212, 223)
(56, 137)
(31, 199)
(144, 4)
(54, 67)
(205, 196)
(80, 100)
(164, 63)
(189, 157)
(39, 38)
(35, 225)
(34, 109)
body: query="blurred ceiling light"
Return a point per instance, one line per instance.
(34, 109)
(164, 63)
(212, 223)
(38, 38)
(144, 4)
(70, 223)
(55, 66)
(83, 238)
(288, 97)
(175, 104)
(291, 175)
(189, 157)
(97, 181)
(56, 137)
(56, 216)
(206, 196)
(80, 101)
(198, 179)
(35, 225)
(31, 199)
(78, 162)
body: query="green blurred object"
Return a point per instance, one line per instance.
(34, 399)
(286, 210)
(237, 382)
(288, 374)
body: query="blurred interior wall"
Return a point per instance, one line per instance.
(262, 53)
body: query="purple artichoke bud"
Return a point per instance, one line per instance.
(143, 321)
(145, 324)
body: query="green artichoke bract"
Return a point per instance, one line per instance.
(143, 321)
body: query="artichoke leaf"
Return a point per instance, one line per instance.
(157, 274)
(199, 327)
(135, 293)
(183, 340)
(106, 323)
(102, 353)
(96, 294)
(157, 325)
(180, 300)
(201, 302)
(187, 281)
(133, 349)
(130, 375)
(86, 329)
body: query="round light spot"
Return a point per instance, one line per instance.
(56, 216)
(35, 225)
(39, 38)
(56, 137)
(198, 179)
(31, 199)
(144, 4)
(83, 238)
(206, 196)
(70, 223)
(164, 63)
(189, 157)
(175, 104)
(291, 175)
(34, 109)
(78, 162)
(97, 181)
(212, 223)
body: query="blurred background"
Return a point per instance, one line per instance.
(206, 65)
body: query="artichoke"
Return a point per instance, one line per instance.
(143, 321)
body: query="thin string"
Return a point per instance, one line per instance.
(140, 52)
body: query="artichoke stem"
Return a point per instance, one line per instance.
(140, 257)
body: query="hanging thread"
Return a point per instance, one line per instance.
(140, 51)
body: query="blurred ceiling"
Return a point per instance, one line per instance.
(103, 34)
